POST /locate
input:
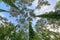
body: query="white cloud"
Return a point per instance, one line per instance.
(43, 10)
(58, 0)
(46, 8)
(1, 15)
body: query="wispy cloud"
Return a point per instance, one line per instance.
(46, 8)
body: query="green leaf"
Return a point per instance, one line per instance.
(1, 10)
(10, 3)
(51, 15)
(0, 0)
(13, 1)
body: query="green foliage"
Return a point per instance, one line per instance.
(29, 2)
(51, 15)
(32, 34)
(10, 3)
(0, 0)
(10, 32)
(41, 3)
(57, 7)
(1, 10)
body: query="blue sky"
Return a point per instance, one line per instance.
(5, 14)
(42, 10)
